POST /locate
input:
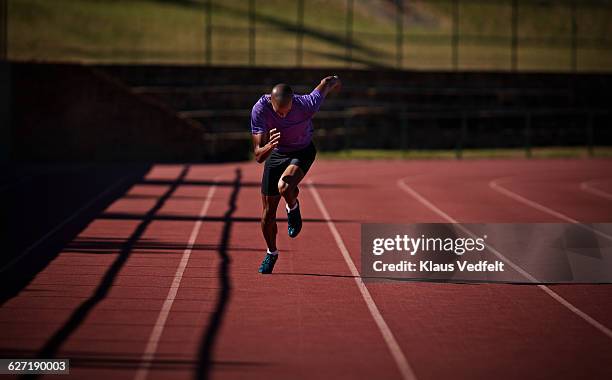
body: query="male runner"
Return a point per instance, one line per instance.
(282, 137)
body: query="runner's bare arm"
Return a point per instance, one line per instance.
(328, 84)
(264, 143)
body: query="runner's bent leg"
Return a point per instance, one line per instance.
(268, 220)
(287, 185)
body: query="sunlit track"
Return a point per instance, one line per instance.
(588, 186)
(587, 318)
(495, 185)
(315, 304)
(399, 357)
(153, 341)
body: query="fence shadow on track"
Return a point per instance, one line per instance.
(216, 319)
(129, 360)
(40, 202)
(51, 347)
(68, 242)
(192, 218)
(246, 184)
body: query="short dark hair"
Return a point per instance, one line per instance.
(282, 93)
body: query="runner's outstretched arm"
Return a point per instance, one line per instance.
(328, 84)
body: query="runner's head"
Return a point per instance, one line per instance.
(281, 98)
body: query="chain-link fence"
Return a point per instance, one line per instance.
(550, 35)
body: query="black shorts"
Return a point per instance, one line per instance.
(277, 162)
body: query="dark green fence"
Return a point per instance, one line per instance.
(541, 35)
(564, 35)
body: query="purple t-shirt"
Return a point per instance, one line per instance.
(295, 128)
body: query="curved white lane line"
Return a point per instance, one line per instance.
(450, 219)
(588, 187)
(400, 359)
(587, 318)
(151, 348)
(517, 197)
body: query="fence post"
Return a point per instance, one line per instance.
(399, 40)
(251, 32)
(299, 43)
(455, 39)
(527, 134)
(514, 47)
(574, 38)
(208, 36)
(349, 32)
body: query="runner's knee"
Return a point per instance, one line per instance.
(283, 187)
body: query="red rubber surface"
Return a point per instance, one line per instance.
(309, 319)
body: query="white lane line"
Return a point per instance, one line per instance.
(149, 353)
(444, 215)
(58, 227)
(588, 187)
(495, 185)
(402, 364)
(587, 318)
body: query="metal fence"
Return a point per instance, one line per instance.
(471, 129)
(549, 35)
(562, 35)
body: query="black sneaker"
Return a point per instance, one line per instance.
(294, 221)
(268, 264)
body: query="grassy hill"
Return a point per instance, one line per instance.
(173, 31)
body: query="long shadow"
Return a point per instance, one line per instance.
(66, 195)
(52, 346)
(244, 184)
(193, 4)
(216, 319)
(316, 275)
(391, 279)
(145, 246)
(192, 218)
(129, 360)
(341, 57)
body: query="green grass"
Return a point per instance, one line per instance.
(172, 31)
(538, 152)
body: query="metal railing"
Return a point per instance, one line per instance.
(349, 132)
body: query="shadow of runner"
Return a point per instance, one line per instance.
(210, 336)
(51, 347)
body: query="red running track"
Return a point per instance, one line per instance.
(163, 282)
